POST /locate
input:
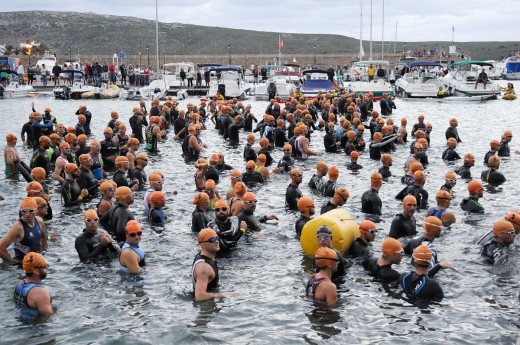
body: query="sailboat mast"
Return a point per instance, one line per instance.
(370, 57)
(361, 53)
(157, 35)
(383, 34)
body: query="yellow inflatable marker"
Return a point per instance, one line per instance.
(344, 231)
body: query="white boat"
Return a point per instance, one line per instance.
(14, 89)
(277, 85)
(420, 83)
(172, 73)
(316, 81)
(157, 89)
(512, 68)
(359, 80)
(460, 81)
(229, 83)
(48, 60)
(455, 99)
(64, 91)
(494, 72)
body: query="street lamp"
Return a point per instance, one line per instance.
(148, 54)
(29, 46)
(314, 54)
(229, 54)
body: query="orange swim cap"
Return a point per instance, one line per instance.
(199, 198)
(419, 176)
(235, 173)
(261, 158)
(44, 139)
(28, 203)
(10, 138)
(84, 157)
(210, 184)
(475, 186)
(321, 165)
(39, 200)
(325, 256)
(132, 226)
(213, 159)
(416, 166)
(386, 158)
(432, 224)
(343, 192)
(157, 198)
(155, 177)
(334, 171)
(287, 147)
(305, 203)
(38, 173)
(422, 255)
(451, 175)
(249, 196)
(354, 155)
(514, 218)
(33, 187)
(409, 200)
(365, 226)
(90, 213)
(205, 234)
(240, 188)
(105, 185)
(141, 156)
(502, 226)
(391, 246)
(64, 145)
(220, 203)
(120, 160)
(375, 176)
(33, 262)
(250, 136)
(70, 167)
(494, 144)
(443, 195)
(264, 142)
(251, 164)
(122, 192)
(493, 161)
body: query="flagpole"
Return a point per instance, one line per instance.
(279, 50)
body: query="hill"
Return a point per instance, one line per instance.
(93, 34)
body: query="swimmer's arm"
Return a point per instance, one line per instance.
(331, 294)
(14, 234)
(44, 232)
(202, 276)
(41, 298)
(130, 260)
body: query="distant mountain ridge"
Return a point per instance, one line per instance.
(89, 33)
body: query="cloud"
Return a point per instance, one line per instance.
(425, 21)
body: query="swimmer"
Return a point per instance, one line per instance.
(212, 172)
(404, 224)
(251, 177)
(353, 165)
(11, 156)
(71, 193)
(420, 125)
(250, 153)
(204, 271)
(115, 220)
(451, 131)
(138, 173)
(470, 204)
(30, 296)
(503, 150)
(440, 211)
(234, 176)
(370, 200)
(450, 180)
(236, 203)
(340, 198)
(199, 216)
(247, 213)
(330, 186)
(361, 248)
(227, 226)
(40, 158)
(86, 179)
(61, 162)
(316, 182)
(121, 175)
(494, 250)
(492, 175)
(416, 284)
(493, 149)
(307, 210)
(324, 237)
(293, 192)
(329, 140)
(320, 286)
(286, 163)
(386, 160)
(381, 268)
(464, 170)
(156, 215)
(107, 189)
(27, 234)
(407, 179)
(450, 155)
(417, 190)
(92, 245)
(131, 257)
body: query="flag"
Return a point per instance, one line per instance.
(280, 41)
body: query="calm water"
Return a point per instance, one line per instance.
(95, 306)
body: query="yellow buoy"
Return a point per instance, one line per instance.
(344, 231)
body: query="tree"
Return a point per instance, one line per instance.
(9, 50)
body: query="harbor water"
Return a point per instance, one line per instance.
(96, 306)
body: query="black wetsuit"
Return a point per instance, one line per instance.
(199, 220)
(178, 125)
(252, 221)
(300, 223)
(328, 206)
(371, 202)
(234, 131)
(27, 129)
(87, 180)
(447, 188)
(493, 177)
(40, 159)
(503, 150)
(287, 163)
(452, 133)
(109, 148)
(249, 153)
(251, 180)
(329, 188)
(359, 250)
(70, 192)
(493, 252)
(464, 171)
(140, 175)
(212, 285)
(268, 158)
(316, 183)
(292, 194)
(114, 221)
(420, 194)
(151, 140)
(354, 166)
(329, 142)
(450, 155)
(384, 273)
(402, 226)
(121, 179)
(90, 249)
(487, 156)
(223, 167)
(420, 287)
(229, 232)
(248, 122)
(213, 174)
(385, 172)
(137, 127)
(470, 204)
(280, 138)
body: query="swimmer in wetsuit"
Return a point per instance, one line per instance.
(114, 221)
(71, 193)
(370, 200)
(204, 271)
(503, 150)
(492, 175)
(464, 170)
(199, 216)
(361, 248)
(340, 198)
(316, 182)
(330, 186)
(320, 287)
(452, 132)
(417, 190)
(227, 227)
(386, 159)
(31, 298)
(493, 149)
(247, 213)
(156, 215)
(353, 165)
(381, 268)
(307, 210)
(470, 204)
(404, 223)
(92, 245)
(494, 250)
(416, 284)
(450, 155)
(293, 193)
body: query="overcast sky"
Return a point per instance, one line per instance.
(426, 20)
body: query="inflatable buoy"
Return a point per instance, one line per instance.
(344, 231)
(87, 95)
(509, 97)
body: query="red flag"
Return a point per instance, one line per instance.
(280, 41)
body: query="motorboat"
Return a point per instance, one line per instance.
(48, 60)
(512, 67)
(316, 81)
(455, 99)
(64, 91)
(461, 80)
(14, 89)
(277, 85)
(421, 81)
(229, 83)
(157, 89)
(172, 73)
(359, 81)
(494, 72)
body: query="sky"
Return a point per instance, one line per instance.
(425, 20)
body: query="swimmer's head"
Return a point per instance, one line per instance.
(422, 256)
(206, 235)
(325, 257)
(305, 204)
(432, 225)
(391, 246)
(33, 262)
(38, 173)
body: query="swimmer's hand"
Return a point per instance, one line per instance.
(271, 217)
(232, 294)
(446, 265)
